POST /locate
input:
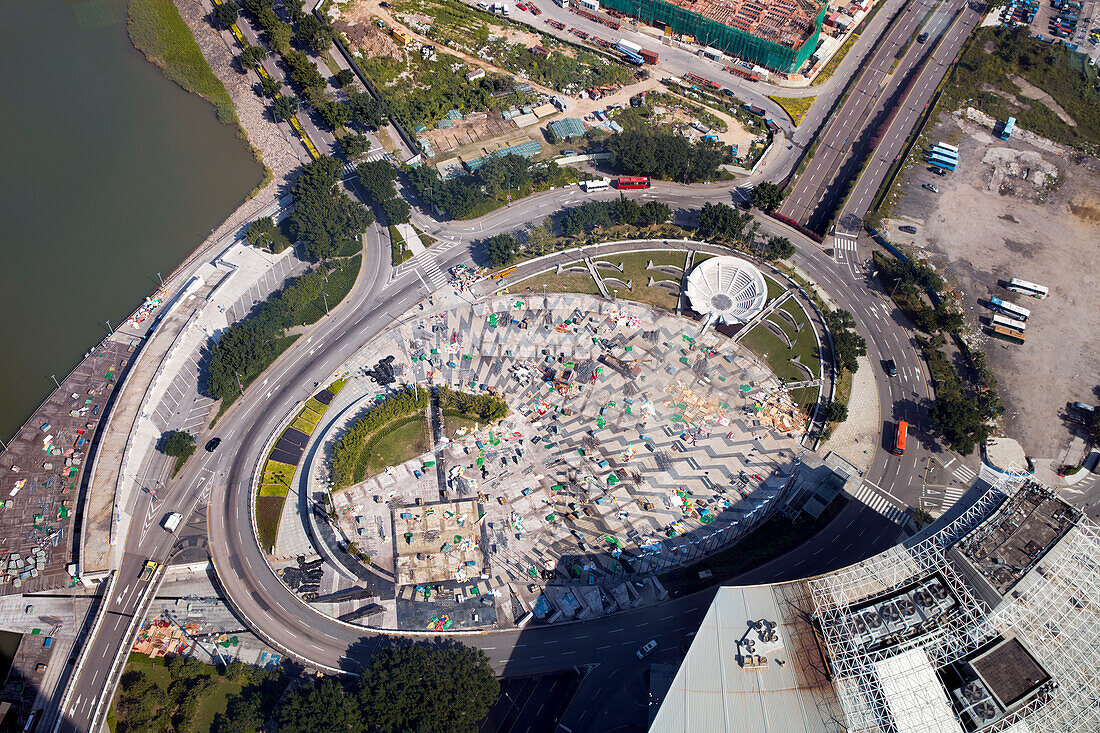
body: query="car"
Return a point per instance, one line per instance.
(908, 229)
(647, 649)
(930, 187)
(212, 444)
(938, 171)
(891, 368)
(384, 4)
(922, 37)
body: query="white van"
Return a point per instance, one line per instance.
(172, 521)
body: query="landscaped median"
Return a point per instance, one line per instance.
(282, 463)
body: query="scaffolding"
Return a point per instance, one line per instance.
(779, 34)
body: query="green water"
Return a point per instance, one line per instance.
(109, 173)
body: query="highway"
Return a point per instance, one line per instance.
(847, 137)
(220, 481)
(916, 99)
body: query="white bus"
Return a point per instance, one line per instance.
(599, 184)
(1023, 287)
(1009, 309)
(1010, 323)
(952, 148)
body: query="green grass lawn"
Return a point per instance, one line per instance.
(775, 353)
(158, 31)
(634, 271)
(268, 511)
(210, 704)
(451, 423)
(399, 444)
(796, 107)
(774, 288)
(567, 282)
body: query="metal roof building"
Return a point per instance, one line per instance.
(987, 621)
(727, 290)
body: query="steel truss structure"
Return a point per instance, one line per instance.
(1054, 610)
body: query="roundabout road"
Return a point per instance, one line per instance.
(223, 478)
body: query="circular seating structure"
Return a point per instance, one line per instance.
(727, 289)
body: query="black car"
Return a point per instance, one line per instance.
(212, 444)
(891, 368)
(922, 38)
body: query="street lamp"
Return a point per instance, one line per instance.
(323, 293)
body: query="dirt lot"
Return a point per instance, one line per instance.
(1000, 216)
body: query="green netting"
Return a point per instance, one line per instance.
(720, 36)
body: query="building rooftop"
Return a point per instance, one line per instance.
(727, 290)
(753, 666)
(1009, 672)
(785, 22)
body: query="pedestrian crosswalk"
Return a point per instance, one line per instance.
(433, 273)
(962, 473)
(844, 242)
(879, 503)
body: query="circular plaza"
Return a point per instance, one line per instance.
(636, 442)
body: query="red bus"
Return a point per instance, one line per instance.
(632, 182)
(899, 438)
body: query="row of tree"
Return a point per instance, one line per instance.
(596, 214)
(377, 179)
(483, 407)
(482, 190)
(325, 218)
(660, 153)
(444, 688)
(348, 448)
(247, 347)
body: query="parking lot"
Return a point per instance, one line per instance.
(1028, 210)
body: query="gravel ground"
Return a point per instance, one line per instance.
(999, 216)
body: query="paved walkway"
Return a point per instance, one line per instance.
(855, 438)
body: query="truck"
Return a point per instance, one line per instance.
(147, 570)
(650, 57)
(171, 521)
(758, 111)
(633, 47)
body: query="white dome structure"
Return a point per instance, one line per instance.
(727, 289)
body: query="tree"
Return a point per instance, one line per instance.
(138, 699)
(502, 249)
(959, 420)
(269, 86)
(779, 248)
(318, 706)
(539, 239)
(226, 14)
(353, 144)
(847, 344)
(344, 77)
(767, 196)
(396, 210)
(836, 412)
(367, 112)
(264, 233)
(313, 33)
(654, 212)
(720, 220)
(324, 216)
(251, 56)
(283, 109)
(377, 177)
(446, 690)
(177, 443)
(335, 114)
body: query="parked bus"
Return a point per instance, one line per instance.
(1009, 309)
(1010, 323)
(939, 162)
(1009, 126)
(1023, 287)
(945, 146)
(900, 436)
(599, 184)
(632, 182)
(1006, 334)
(945, 152)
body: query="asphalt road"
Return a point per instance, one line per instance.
(221, 480)
(908, 111)
(843, 143)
